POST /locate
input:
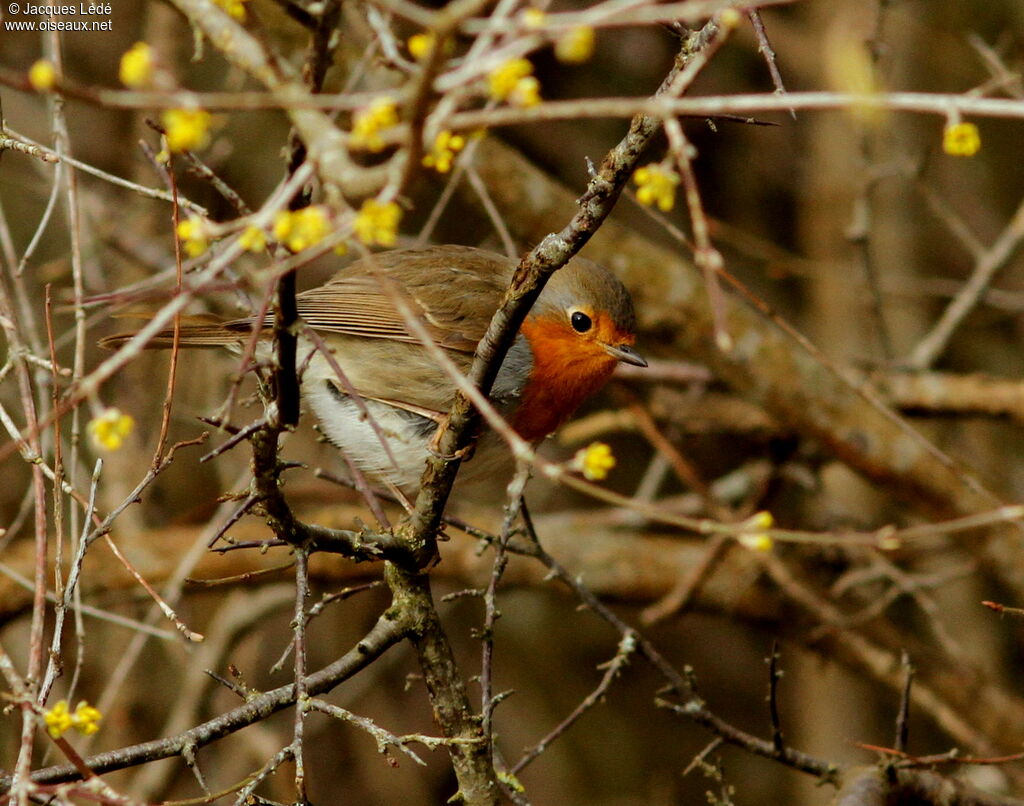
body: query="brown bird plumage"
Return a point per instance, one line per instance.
(581, 326)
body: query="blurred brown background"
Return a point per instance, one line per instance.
(806, 211)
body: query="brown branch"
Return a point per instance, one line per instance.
(903, 714)
(695, 710)
(356, 545)
(387, 632)
(448, 696)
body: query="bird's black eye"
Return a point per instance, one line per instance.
(580, 322)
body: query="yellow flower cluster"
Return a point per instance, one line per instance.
(194, 233)
(136, 69)
(961, 139)
(42, 75)
(109, 429)
(60, 719)
(369, 122)
(446, 146)
(594, 461)
(755, 539)
(656, 185)
(515, 83)
(377, 223)
(187, 129)
(301, 229)
(576, 45)
(234, 8)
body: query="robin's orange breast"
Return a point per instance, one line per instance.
(566, 370)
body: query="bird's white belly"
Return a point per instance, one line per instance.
(384, 442)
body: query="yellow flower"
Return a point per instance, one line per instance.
(514, 82)
(194, 233)
(368, 123)
(757, 542)
(576, 45)
(534, 17)
(234, 8)
(86, 719)
(136, 69)
(594, 461)
(42, 75)
(58, 719)
(756, 539)
(377, 223)
(187, 129)
(109, 429)
(961, 139)
(301, 229)
(253, 239)
(421, 45)
(656, 185)
(502, 80)
(446, 146)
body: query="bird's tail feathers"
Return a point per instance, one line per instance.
(205, 334)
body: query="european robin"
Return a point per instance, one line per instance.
(580, 328)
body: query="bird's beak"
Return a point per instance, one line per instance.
(625, 354)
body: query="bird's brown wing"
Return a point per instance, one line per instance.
(454, 289)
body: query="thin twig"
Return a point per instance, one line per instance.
(773, 697)
(488, 701)
(612, 670)
(301, 697)
(903, 715)
(764, 47)
(986, 268)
